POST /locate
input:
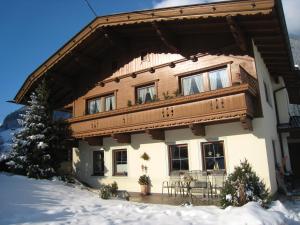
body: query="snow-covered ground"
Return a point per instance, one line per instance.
(28, 201)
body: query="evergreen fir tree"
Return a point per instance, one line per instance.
(242, 186)
(31, 154)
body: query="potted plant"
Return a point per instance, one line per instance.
(144, 181)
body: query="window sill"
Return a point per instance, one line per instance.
(97, 175)
(119, 175)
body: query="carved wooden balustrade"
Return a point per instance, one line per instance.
(194, 111)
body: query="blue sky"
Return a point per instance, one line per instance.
(32, 30)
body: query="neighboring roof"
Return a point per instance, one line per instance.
(199, 11)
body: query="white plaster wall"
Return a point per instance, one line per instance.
(238, 143)
(269, 120)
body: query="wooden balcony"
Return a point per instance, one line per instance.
(195, 111)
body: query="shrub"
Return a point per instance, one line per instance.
(144, 180)
(109, 190)
(243, 186)
(105, 192)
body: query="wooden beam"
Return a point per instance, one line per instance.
(94, 141)
(197, 129)
(237, 33)
(246, 123)
(165, 37)
(156, 134)
(122, 138)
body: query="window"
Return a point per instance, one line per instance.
(146, 94)
(192, 84)
(100, 104)
(93, 106)
(110, 103)
(205, 81)
(179, 159)
(213, 155)
(98, 163)
(267, 93)
(218, 79)
(120, 162)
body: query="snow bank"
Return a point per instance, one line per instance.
(29, 201)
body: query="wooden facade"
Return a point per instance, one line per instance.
(115, 55)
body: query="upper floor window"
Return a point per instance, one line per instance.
(213, 155)
(100, 104)
(94, 106)
(218, 79)
(192, 84)
(110, 103)
(205, 81)
(146, 94)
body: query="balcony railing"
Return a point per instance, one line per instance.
(232, 103)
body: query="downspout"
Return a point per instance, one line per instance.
(277, 119)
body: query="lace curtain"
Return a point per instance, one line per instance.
(110, 103)
(192, 84)
(218, 79)
(146, 94)
(94, 106)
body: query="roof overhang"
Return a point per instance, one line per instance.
(271, 10)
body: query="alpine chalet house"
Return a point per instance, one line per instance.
(198, 87)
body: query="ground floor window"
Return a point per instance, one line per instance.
(213, 155)
(120, 162)
(98, 163)
(179, 159)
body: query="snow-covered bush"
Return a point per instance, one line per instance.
(109, 190)
(243, 186)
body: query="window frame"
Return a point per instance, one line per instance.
(205, 74)
(104, 102)
(87, 105)
(101, 174)
(102, 98)
(217, 69)
(204, 157)
(170, 156)
(114, 153)
(145, 86)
